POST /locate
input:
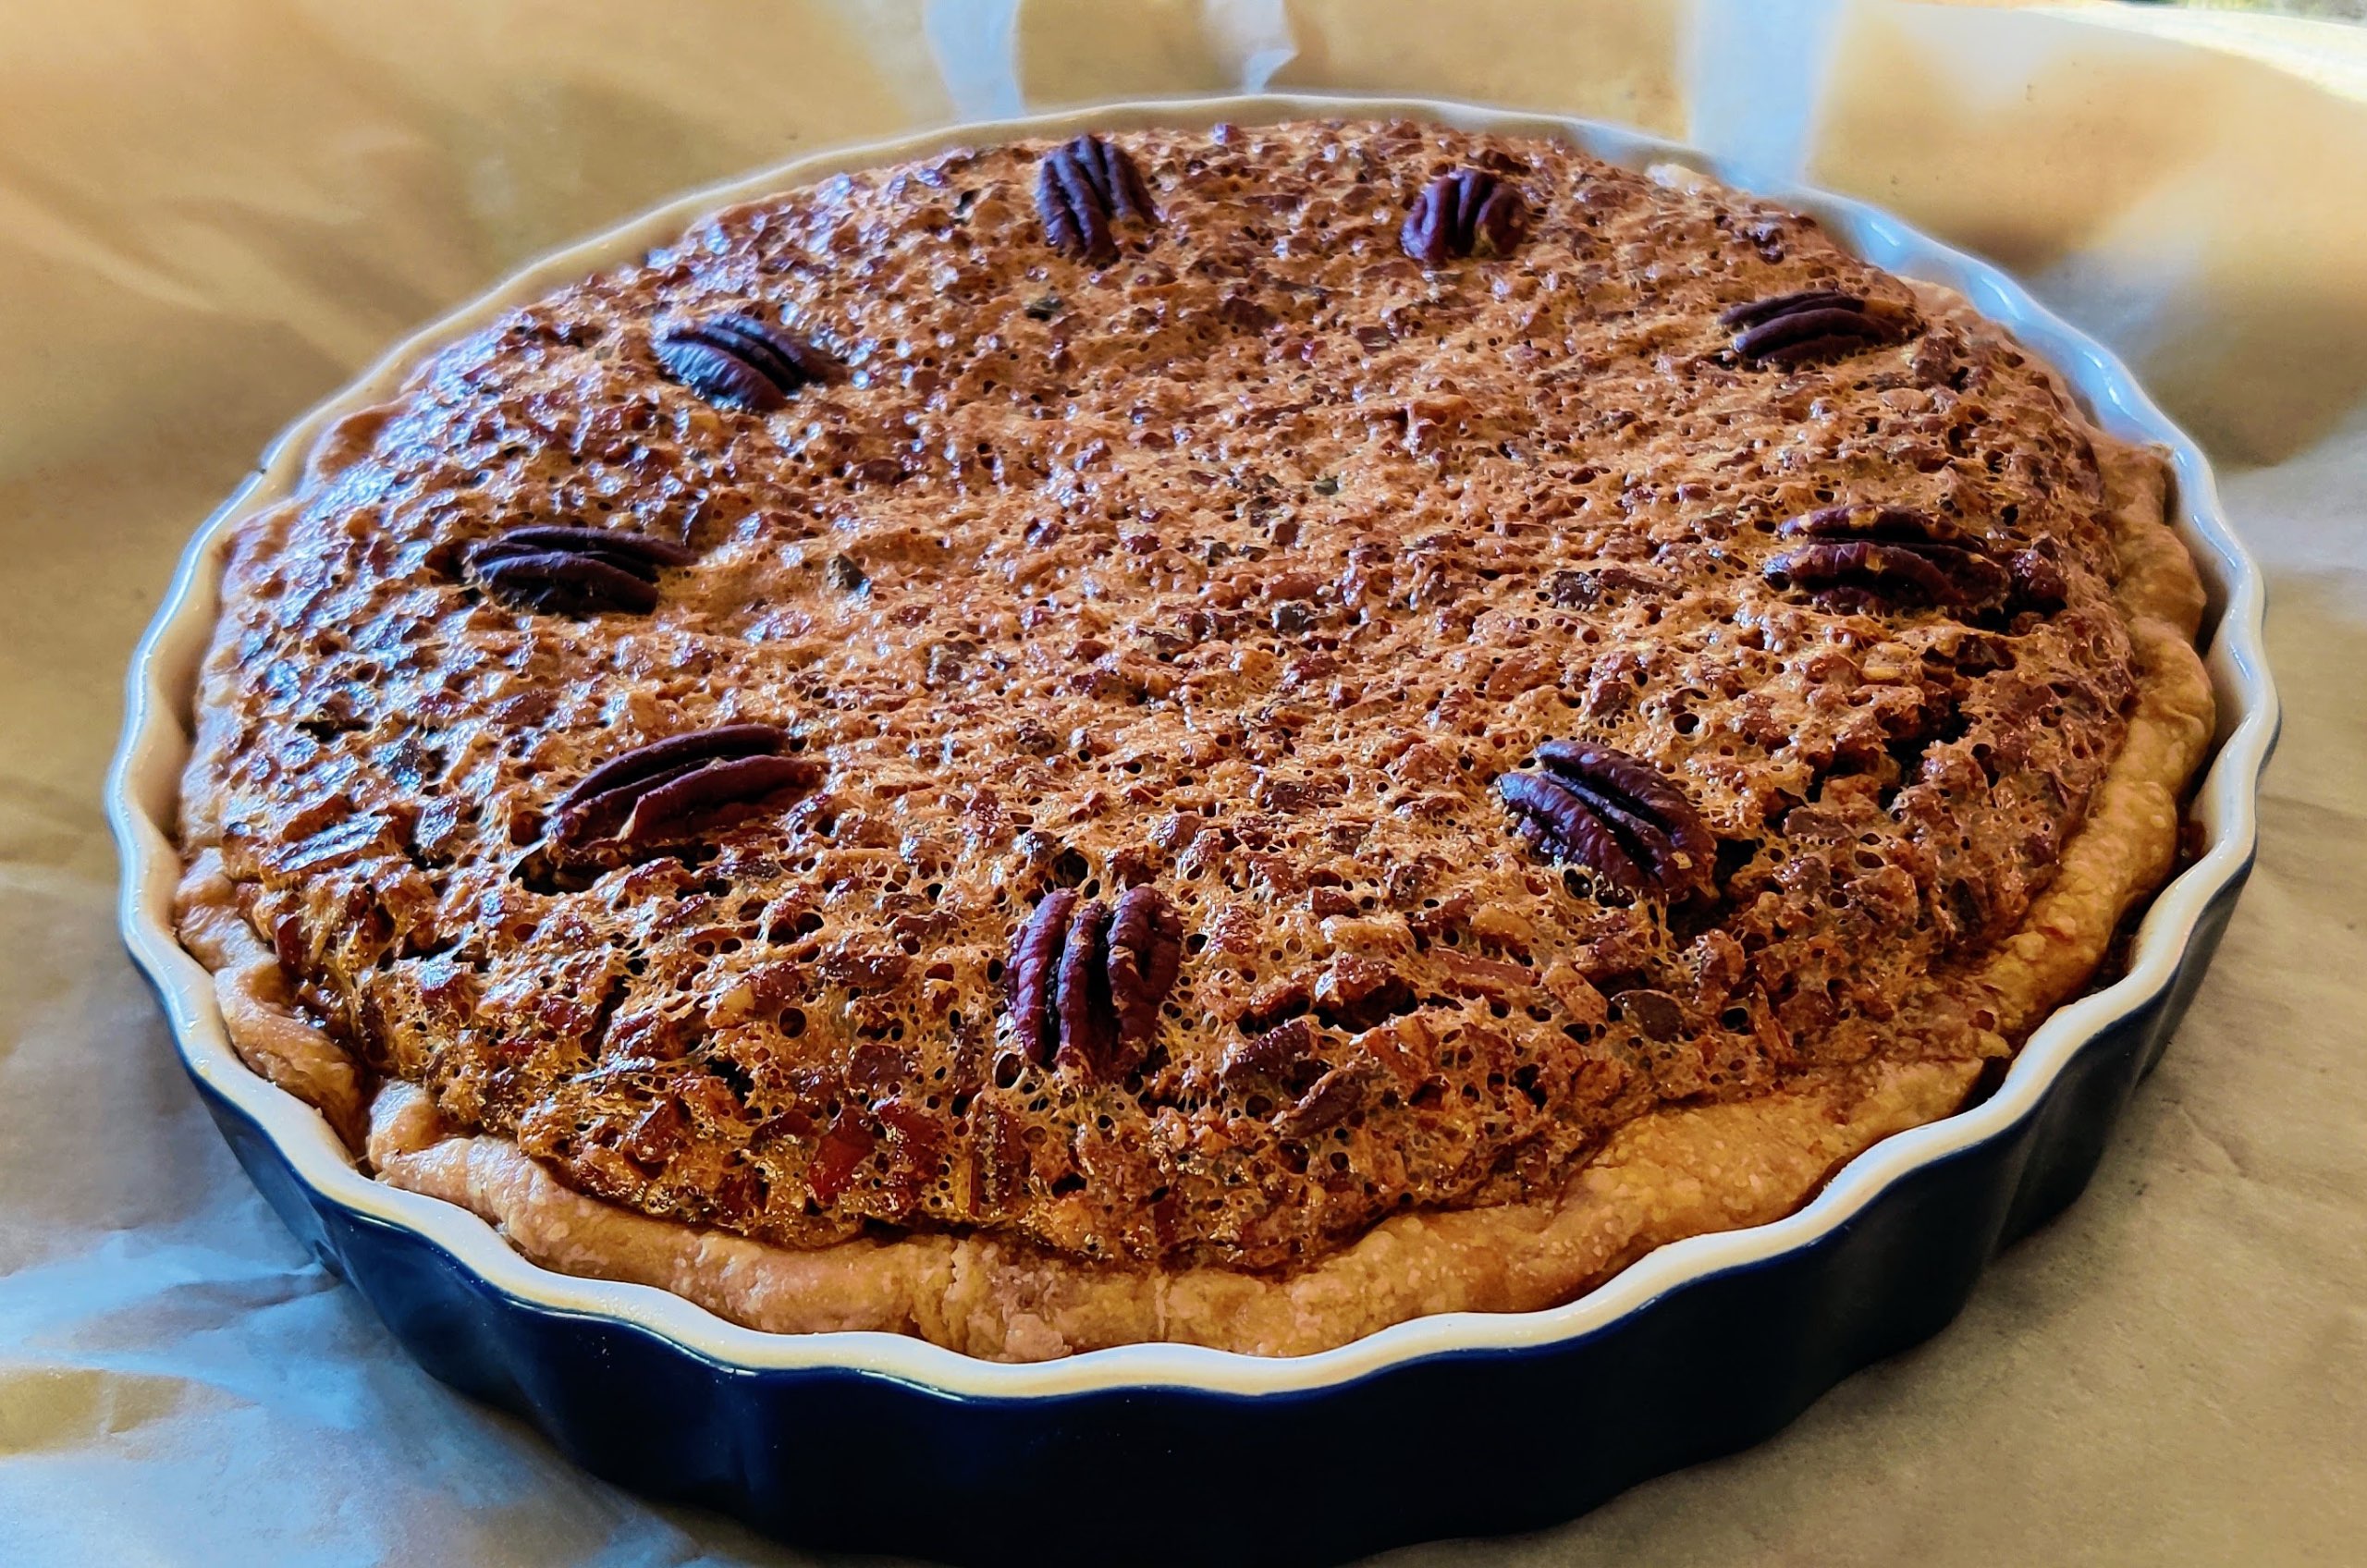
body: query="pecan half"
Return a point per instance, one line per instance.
(1859, 557)
(681, 803)
(739, 359)
(1467, 213)
(665, 757)
(1035, 969)
(1616, 815)
(1815, 324)
(1082, 1008)
(573, 570)
(1080, 187)
(1146, 955)
(675, 787)
(1088, 981)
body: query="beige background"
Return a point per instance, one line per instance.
(213, 211)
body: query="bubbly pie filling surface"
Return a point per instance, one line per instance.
(1232, 736)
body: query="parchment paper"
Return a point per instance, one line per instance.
(212, 215)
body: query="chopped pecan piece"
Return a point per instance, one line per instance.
(838, 1154)
(1080, 187)
(1334, 1097)
(671, 788)
(1467, 213)
(1595, 586)
(739, 359)
(998, 1140)
(1272, 1054)
(1273, 1002)
(1088, 981)
(2038, 581)
(1613, 814)
(1656, 1013)
(1355, 993)
(574, 570)
(1815, 324)
(654, 1139)
(1487, 977)
(1861, 558)
(843, 574)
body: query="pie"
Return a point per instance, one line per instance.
(1230, 736)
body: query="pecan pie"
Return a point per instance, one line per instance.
(1230, 736)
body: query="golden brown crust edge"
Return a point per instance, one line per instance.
(1677, 1172)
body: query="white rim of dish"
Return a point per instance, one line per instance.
(143, 784)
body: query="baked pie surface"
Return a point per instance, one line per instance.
(1298, 552)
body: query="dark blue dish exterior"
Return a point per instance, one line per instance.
(828, 1458)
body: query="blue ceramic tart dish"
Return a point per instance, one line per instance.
(1700, 1347)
